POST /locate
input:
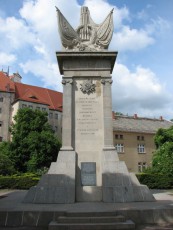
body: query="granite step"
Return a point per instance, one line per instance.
(93, 219)
(91, 223)
(127, 225)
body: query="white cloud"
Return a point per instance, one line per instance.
(7, 59)
(46, 71)
(158, 26)
(15, 34)
(139, 92)
(131, 39)
(99, 10)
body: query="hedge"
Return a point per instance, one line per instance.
(24, 181)
(155, 181)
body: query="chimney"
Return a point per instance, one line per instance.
(135, 116)
(113, 115)
(16, 77)
(161, 118)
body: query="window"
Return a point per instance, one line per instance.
(1, 99)
(23, 105)
(56, 116)
(43, 109)
(50, 115)
(140, 138)
(56, 128)
(0, 110)
(119, 148)
(0, 123)
(141, 148)
(118, 136)
(38, 108)
(30, 106)
(142, 166)
(1, 139)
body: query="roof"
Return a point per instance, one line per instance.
(32, 94)
(6, 85)
(139, 124)
(39, 95)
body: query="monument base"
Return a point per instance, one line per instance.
(58, 186)
(89, 194)
(118, 184)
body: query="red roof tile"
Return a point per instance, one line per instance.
(32, 93)
(39, 95)
(6, 85)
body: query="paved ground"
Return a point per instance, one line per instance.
(11, 200)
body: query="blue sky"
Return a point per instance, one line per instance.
(143, 37)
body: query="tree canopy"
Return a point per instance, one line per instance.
(33, 144)
(163, 156)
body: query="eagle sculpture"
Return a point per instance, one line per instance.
(89, 36)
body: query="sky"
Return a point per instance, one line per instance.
(143, 37)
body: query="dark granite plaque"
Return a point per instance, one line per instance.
(88, 173)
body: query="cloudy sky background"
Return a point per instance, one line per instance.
(143, 37)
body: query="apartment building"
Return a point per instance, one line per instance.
(134, 139)
(15, 95)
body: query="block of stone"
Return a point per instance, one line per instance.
(30, 218)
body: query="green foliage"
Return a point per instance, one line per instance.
(163, 157)
(34, 144)
(162, 136)
(6, 164)
(155, 181)
(24, 181)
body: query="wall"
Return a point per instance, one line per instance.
(5, 115)
(130, 154)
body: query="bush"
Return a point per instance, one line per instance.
(6, 164)
(24, 181)
(155, 181)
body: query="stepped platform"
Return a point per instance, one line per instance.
(14, 214)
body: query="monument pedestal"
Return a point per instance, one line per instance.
(88, 167)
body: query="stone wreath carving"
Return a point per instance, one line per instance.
(87, 87)
(89, 36)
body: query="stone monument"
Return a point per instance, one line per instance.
(87, 167)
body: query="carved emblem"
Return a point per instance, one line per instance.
(106, 81)
(64, 82)
(87, 87)
(89, 36)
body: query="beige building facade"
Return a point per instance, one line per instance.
(134, 139)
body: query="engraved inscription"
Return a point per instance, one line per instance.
(87, 117)
(88, 173)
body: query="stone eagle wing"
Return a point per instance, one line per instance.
(69, 37)
(105, 31)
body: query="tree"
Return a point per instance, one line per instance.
(34, 144)
(6, 164)
(163, 156)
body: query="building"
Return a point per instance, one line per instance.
(133, 136)
(15, 95)
(134, 139)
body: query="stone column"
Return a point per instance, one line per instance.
(67, 115)
(107, 113)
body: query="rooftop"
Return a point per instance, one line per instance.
(31, 93)
(139, 124)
